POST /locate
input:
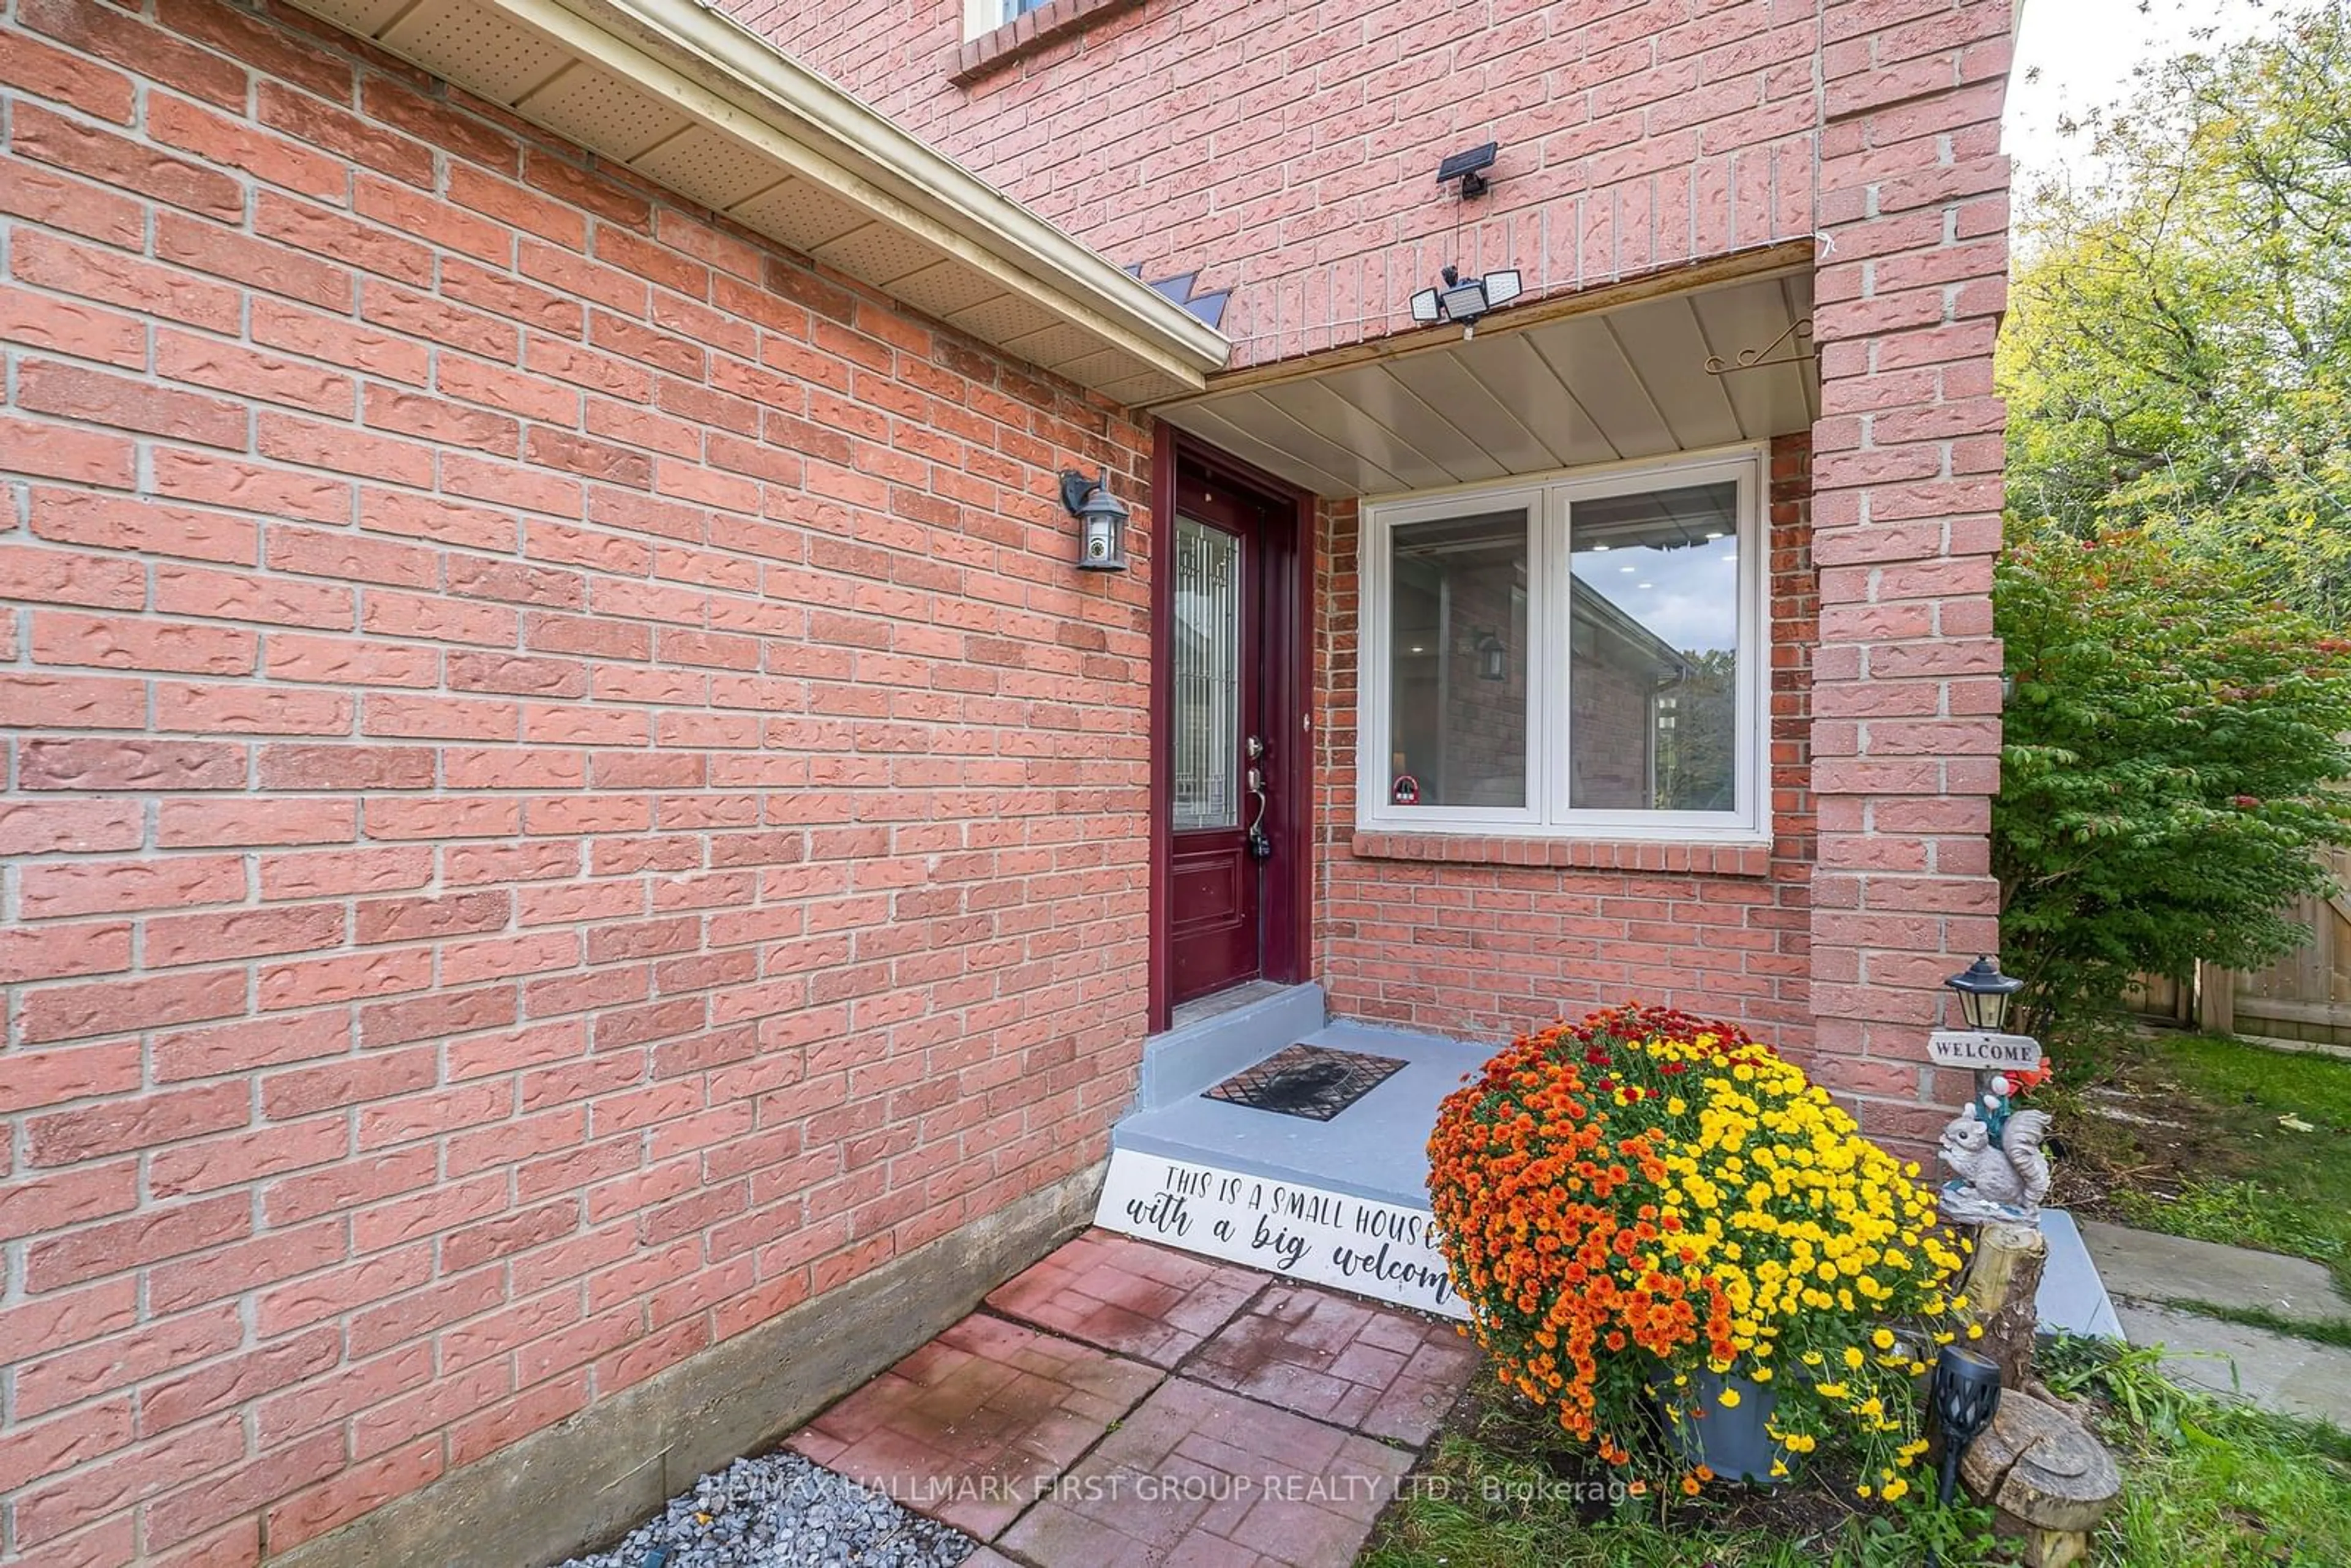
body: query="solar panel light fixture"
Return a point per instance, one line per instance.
(1469, 167)
(1466, 299)
(1963, 1396)
(1984, 994)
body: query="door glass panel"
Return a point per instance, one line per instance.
(1652, 665)
(1458, 676)
(1208, 661)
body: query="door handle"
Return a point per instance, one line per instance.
(1260, 848)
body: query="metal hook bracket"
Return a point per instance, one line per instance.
(1795, 340)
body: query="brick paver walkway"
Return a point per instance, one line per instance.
(990, 1403)
(1122, 1404)
(1129, 1296)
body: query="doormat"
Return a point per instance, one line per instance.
(1310, 1081)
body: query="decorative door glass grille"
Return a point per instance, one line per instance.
(1207, 658)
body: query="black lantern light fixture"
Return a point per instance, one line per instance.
(1465, 299)
(1101, 520)
(1493, 658)
(1984, 994)
(1964, 1395)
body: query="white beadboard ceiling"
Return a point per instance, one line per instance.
(690, 100)
(1543, 391)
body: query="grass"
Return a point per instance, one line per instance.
(2231, 1172)
(2318, 1331)
(2204, 1483)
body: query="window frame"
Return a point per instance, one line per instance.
(981, 17)
(1550, 500)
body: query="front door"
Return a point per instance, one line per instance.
(1222, 822)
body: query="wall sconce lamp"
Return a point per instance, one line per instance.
(1984, 994)
(1102, 521)
(1493, 658)
(1466, 299)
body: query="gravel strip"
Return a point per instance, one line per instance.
(781, 1512)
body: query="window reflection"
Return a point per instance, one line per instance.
(1653, 663)
(1458, 650)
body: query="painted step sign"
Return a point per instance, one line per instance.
(1383, 1250)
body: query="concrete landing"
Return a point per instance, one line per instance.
(1342, 1202)
(1376, 1148)
(2073, 1297)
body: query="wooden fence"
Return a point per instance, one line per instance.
(2306, 995)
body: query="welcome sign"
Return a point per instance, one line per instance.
(1983, 1052)
(1379, 1249)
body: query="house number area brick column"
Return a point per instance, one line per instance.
(1907, 518)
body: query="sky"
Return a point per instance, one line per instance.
(2075, 55)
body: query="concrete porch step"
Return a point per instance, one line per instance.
(1375, 1148)
(1342, 1202)
(1216, 1037)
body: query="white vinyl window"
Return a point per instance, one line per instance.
(1584, 656)
(987, 15)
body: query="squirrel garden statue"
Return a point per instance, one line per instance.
(1994, 1153)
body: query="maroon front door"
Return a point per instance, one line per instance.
(1221, 821)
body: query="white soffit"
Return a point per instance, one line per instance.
(1540, 391)
(690, 100)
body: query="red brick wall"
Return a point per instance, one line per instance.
(1908, 453)
(1286, 153)
(1486, 939)
(1290, 153)
(562, 792)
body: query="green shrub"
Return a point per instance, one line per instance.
(2172, 745)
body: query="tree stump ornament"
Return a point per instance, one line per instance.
(2004, 1288)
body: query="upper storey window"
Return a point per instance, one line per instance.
(998, 32)
(986, 15)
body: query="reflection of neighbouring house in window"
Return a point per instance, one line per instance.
(1630, 688)
(1652, 726)
(1459, 736)
(1641, 678)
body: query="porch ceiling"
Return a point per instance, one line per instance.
(694, 102)
(1557, 384)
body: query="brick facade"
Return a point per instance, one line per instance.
(562, 792)
(1288, 153)
(1907, 454)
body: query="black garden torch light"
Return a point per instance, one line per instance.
(1965, 1395)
